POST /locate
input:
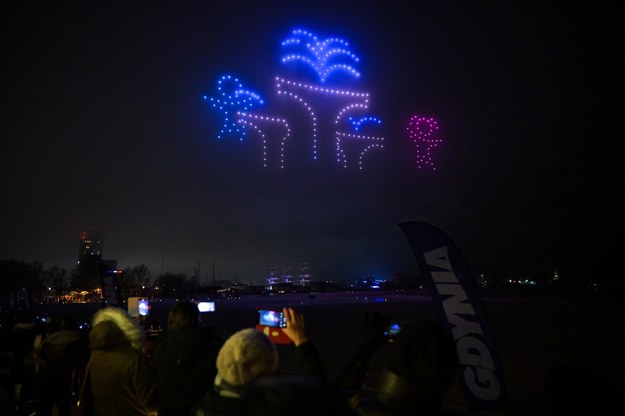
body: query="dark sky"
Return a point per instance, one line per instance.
(104, 125)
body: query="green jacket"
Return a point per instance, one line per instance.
(122, 380)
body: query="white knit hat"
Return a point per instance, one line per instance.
(247, 355)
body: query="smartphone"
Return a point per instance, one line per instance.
(270, 317)
(143, 305)
(206, 306)
(393, 329)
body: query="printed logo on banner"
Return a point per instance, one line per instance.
(459, 307)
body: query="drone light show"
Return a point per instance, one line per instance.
(422, 131)
(325, 59)
(320, 55)
(232, 97)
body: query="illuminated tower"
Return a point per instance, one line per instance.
(90, 247)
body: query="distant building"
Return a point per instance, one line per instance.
(110, 263)
(303, 277)
(272, 279)
(286, 274)
(90, 252)
(90, 247)
(406, 280)
(90, 268)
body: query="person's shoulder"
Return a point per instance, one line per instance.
(191, 336)
(211, 403)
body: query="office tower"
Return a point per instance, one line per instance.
(90, 247)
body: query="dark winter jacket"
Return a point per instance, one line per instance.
(63, 354)
(122, 380)
(395, 396)
(184, 360)
(218, 403)
(420, 369)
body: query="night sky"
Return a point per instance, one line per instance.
(105, 125)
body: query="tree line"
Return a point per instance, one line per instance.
(43, 282)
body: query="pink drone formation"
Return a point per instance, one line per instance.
(422, 131)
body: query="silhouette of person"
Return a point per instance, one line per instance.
(63, 354)
(249, 355)
(420, 369)
(286, 395)
(184, 356)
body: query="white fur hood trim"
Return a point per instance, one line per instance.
(120, 318)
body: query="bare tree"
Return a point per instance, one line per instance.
(55, 280)
(134, 279)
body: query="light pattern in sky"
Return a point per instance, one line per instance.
(232, 97)
(320, 55)
(254, 121)
(339, 114)
(304, 94)
(422, 131)
(350, 146)
(357, 123)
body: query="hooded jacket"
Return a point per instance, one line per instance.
(122, 380)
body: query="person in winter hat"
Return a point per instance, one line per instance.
(245, 356)
(248, 356)
(122, 380)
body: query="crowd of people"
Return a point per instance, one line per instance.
(128, 368)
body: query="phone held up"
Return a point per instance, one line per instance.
(272, 322)
(206, 306)
(143, 305)
(273, 318)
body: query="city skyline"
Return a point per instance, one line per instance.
(206, 271)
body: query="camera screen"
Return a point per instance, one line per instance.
(144, 307)
(206, 306)
(272, 318)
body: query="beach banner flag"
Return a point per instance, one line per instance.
(111, 292)
(459, 306)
